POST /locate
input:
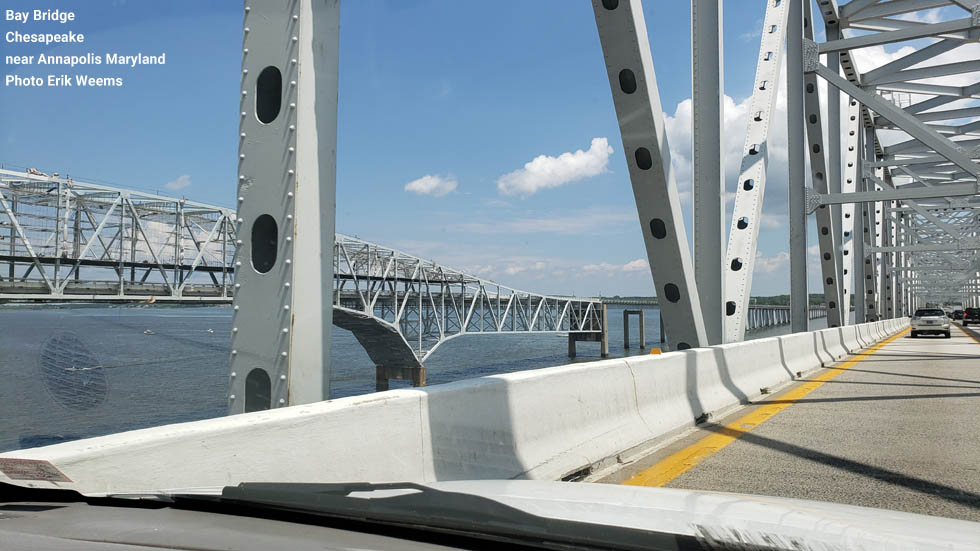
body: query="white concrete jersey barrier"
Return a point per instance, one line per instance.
(553, 423)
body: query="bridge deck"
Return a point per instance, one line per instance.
(897, 427)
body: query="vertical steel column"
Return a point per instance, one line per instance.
(860, 228)
(708, 167)
(13, 233)
(833, 146)
(283, 310)
(629, 64)
(77, 236)
(751, 185)
(852, 172)
(886, 263)
(57, 236)
(799, 299)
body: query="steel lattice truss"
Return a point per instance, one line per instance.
(62, 239)
(428, 303)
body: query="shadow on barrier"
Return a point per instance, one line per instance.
(941, 491)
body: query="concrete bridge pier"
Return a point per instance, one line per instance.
(383, 374)
(602, 337)
(626, 328)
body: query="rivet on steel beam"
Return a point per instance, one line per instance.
(289, 217)
(282, 377)
(246, 29)
(236, 307)
(244, 92)
(232, 397)
(288, 261)
(288, 239)
(293, 61)
(247, 9)
(292, 83)
(282, 401)
(238, 263)
(286, 284)
(233, 374)
(291, 172)
(285, 307)
(237, 285)
(242, 156)
(243, 134)
(239, 242)
(234, 329)
(241, 177)
(292, 127)
(244, 113)
(285, 330)
(292, 106)
(245, 71)
(245, 51)
(295, 38)
(240, 220)
(295, 17)
(240, 199)
(289, 194)
(292, 149)
(284, 354)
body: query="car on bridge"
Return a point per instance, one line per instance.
(957, 314)
(930, 321)
(971, 315)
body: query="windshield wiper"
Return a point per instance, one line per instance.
(415, 506)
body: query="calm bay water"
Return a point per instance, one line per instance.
(170, 364)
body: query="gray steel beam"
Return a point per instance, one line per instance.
(899, 193)
(799, 299)
(629, 64)
(750, 187)
(708, 168)
(281, 329)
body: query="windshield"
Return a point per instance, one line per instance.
(367, 241)
(929, 312)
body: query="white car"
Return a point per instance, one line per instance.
(930, 320)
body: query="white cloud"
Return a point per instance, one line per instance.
(771, 264)
(180, 183)
(545, 171)
(432, 184)
(638, 265)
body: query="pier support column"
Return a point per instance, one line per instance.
(626, 328)
(383, 374)
(600, 337)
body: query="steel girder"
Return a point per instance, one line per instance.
(934, 164)
(751, 185)
(429, 304)
(629, 66)
(73, 240)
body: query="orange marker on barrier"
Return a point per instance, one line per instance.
(655, 351)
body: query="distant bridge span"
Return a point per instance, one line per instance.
(68, 241)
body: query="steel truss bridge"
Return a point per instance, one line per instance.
(63, 240)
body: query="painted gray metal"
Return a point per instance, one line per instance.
(629, 66)
(796, 157)
(707, 161)
(287, 169)
(747, 211)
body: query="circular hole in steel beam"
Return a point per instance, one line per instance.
(268, 94)
(730, 308)
(610, 4)
(742, 223)
(627, 81)
(748, 185)
(658, 229)
(683, 346)
(671, 292)
(643, 159)
(736, 264)
(265, 242)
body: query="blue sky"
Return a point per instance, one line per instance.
(453, 96)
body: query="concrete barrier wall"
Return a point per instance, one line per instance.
(546, 424)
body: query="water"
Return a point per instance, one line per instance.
(166, 365)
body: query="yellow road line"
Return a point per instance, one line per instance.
(680, 462)
(968, 334)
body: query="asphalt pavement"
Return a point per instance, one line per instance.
(897, 429)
